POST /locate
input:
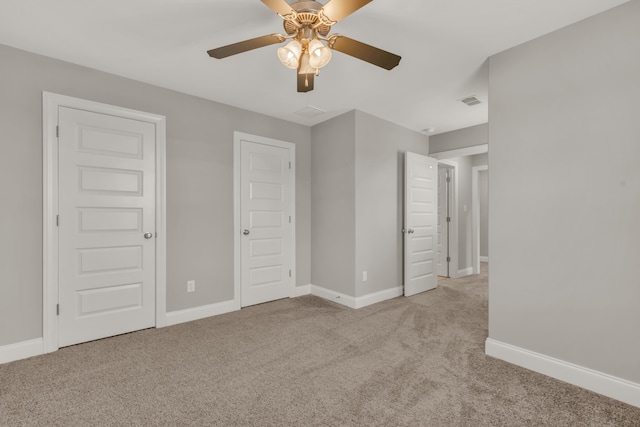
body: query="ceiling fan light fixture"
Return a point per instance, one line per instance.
(289, 54)
(305, 66)
(319, 54)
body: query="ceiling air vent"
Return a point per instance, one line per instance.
(470, 101)
(310, 111)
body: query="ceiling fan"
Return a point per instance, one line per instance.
(307, 25)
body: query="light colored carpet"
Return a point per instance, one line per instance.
(415, 361)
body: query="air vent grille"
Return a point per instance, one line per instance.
(310, 111)
(470, 101)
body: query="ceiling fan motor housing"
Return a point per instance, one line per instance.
(306, 17)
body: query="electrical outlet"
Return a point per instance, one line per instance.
(191, 285)
(364, 276)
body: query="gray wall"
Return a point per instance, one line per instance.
(357, 176)
(380, 148)
(461, 138)
(199, 183)
(565, 194)
(480, 159)
(333, 204)
(483, 199)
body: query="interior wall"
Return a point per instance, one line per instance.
(199, 183)
(379, 177)
(461, 138)
(565, 194)
(333, 204)
(357, 186)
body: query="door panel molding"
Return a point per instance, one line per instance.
(238, 137)
(51, 103)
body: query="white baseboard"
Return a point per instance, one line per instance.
(379, 296)
(334, 296)
(299, 291)
(356, 302)
(195, 313)
(465, 272)
(484, 259)
(598, 382)
(21, 350)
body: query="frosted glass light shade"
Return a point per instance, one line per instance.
(305, 67)
(319, 54)
(290, 54)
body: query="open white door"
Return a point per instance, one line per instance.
(442, 252)
(420, 223)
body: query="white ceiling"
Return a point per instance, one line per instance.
(443, 43)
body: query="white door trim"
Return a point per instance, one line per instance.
(461, 152)
(51, 102)
(237, 229)
(475, 217)
(453, 226)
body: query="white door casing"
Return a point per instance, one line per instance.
(106, 205)
(104, 183)
(475, 216)
(265, 219)
(420, 224)
(443, 229)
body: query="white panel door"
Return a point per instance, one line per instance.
(442, 251)
(106, 205)
(420, 223)
(266, 199)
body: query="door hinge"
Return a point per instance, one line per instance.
(57, 131)
(289, 165)
(57, 309)
(448, 219)
(289, 273)
(289, 219)
(57, 220)
(448, 259)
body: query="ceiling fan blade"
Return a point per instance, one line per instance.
(235, 48)
(305, 82)
(337, 10)
(281, 7)
(365, 52)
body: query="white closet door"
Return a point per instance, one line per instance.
(106, 225)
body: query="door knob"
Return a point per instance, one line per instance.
(245, 232)
(148, 235)
(410, 231)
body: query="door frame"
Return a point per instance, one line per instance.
(238, 137)
(51, 102)
(475, 216)
(448, 198)
(453, 225)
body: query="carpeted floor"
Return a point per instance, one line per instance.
(415, 361)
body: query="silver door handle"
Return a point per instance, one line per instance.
(245, 232)
(148, 235)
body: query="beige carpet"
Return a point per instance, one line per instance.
(415, 361)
